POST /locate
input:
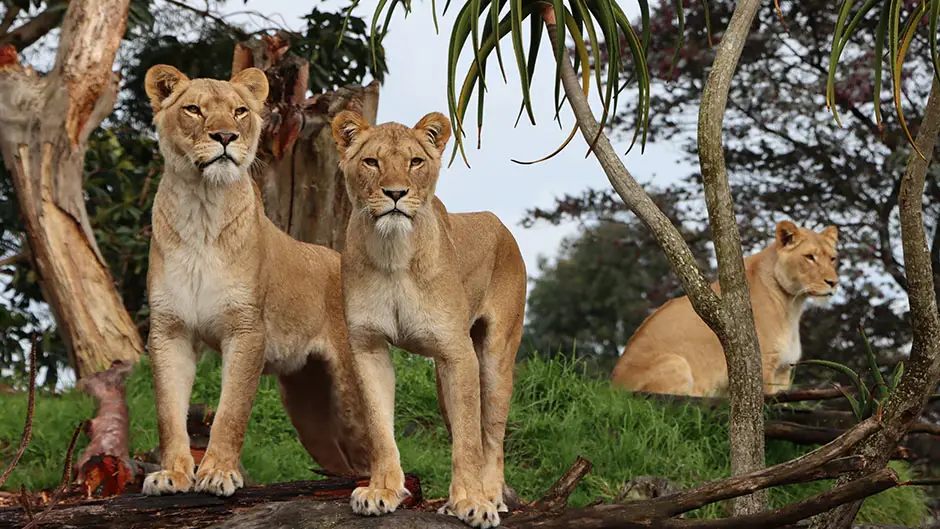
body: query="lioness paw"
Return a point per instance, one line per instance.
(167, 482)
(218, 481)
(369, 501)
(481, 514)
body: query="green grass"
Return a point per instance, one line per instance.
(556, 415)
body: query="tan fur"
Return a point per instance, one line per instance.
(222, 273)
(447, 286)
(674, 352)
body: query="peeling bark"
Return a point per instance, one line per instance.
(44, 125)
(303, 189)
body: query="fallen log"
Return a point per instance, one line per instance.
(131, 511)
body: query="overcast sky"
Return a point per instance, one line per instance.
(416, 85)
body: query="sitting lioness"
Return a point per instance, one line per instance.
(222, 273)
(674, 352)
(450, 287)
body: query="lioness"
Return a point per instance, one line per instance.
(448, 286)
(222, 273)
(674, 352)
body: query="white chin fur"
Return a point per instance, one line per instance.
(393, 225)
(221, 173)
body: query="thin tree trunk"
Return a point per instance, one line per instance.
(729, 316)
(922, 370)
(44, 126)
(739, 336)
(304, 191)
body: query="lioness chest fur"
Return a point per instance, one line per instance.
(221, 273)
(675, 352)
(447, 286)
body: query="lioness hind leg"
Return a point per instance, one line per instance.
(497, 359)
(672, 375)
(173, 362)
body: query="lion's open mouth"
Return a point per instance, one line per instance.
(223, 156)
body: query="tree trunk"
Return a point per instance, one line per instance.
(729, 316)
(44, 126)
(736, 329)
(303, 188)
(922, 370)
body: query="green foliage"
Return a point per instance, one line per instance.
(869, 399)
(887, 33)
(557, 414)
(500, 18)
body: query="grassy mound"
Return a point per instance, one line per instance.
(557, 414)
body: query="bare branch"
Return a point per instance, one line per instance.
(703, 298)
(8, 19)
(24, 36)
(66, 478)
(30, 404)
(738, 334)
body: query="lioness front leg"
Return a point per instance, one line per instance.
(242, 364)
(173, 361)
(376, 377)
(460, 381)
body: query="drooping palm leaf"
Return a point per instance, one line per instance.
(604, 22)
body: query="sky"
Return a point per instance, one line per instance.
(416, 84)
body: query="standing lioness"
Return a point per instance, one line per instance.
(447, 286)
(222, 273)
(675, 352)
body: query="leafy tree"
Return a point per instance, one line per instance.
(605, 280)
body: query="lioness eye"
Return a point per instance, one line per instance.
(371, 162)
(192, 109)
(810, 257)
(241, 111)
(416, 161)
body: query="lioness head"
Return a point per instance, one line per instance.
(391, 170)
(806, 260)
(207, 127)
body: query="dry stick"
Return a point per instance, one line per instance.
(66, 478)
(874, 483)
(601, 518)
(804, 468)
(556, 499)
(30, 403)
(24, 501)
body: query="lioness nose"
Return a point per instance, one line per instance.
(224, 137)
(394, 194)
(831, 282)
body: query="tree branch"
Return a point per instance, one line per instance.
(922, 370)
(24, 36)
(703, 298)
(8, 19)
(738, 335)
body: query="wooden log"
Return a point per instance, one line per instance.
(192, 509)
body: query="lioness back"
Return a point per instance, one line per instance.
(675, 352)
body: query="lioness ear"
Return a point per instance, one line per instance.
(161, 80)
(831, 233)
(346, 126)
(436, 127)
(787, 233)
(254, 81)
